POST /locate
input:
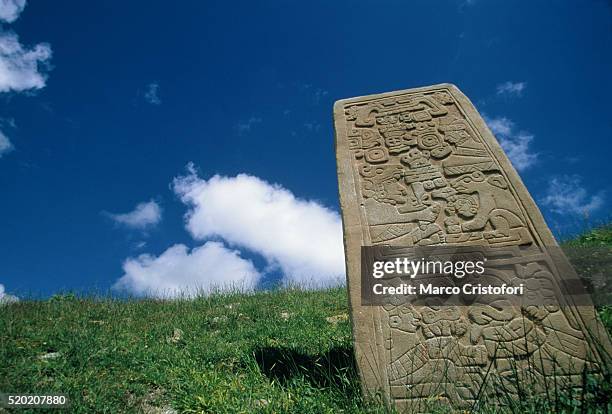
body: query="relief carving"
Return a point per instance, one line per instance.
(425, 174)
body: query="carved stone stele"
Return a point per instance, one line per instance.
(419, 167)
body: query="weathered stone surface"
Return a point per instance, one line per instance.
(420, 167)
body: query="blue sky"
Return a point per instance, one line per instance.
(104, 105)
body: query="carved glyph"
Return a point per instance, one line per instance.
(420, 168)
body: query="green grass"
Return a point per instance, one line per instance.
(591, 255)
(601, 236)
(283, 351)
(273, 352)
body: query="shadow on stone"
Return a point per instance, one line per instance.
(333, 369)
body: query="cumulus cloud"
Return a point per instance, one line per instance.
(301, 237)
(5, 298)
(22, 68)
(511, 88)
(567, 195)
(516, 144)
(152, 94)
(11, 9)
(5, 144)
(144, 215)
(178, 271)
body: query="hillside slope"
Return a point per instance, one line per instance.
(281, 351)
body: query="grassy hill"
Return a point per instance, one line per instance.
(281, 351)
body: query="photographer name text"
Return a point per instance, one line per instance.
(404, 267)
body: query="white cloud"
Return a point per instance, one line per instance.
(152, 94)
(20, 68)
(178, 272)
(499, 126)
(5, 298)
(5, 144)
(144, 215)
(567, 195)
(11, 9)
(515, 144)
(302, 237)
(517, 149)
(511, 88)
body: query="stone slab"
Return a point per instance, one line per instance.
(420, 167)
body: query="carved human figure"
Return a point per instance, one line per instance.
(492, 204)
